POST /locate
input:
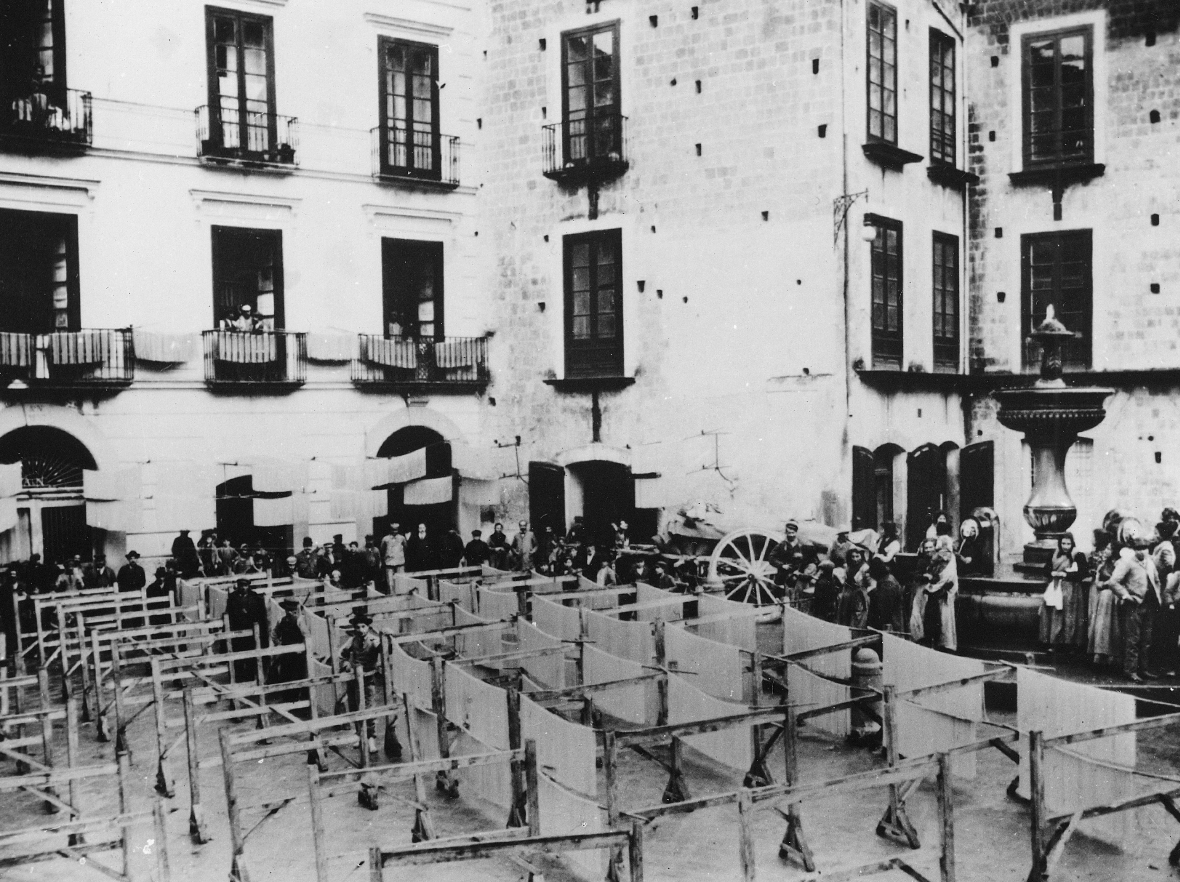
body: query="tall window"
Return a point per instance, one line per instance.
(590, 93)
(1058, 98)
(38, 272)
(412, 279)
(241, 82)
(32, 48)
(942, 98)
(248, 269)
(946, 301)
(593, 304)
(409, 108)
(882, 80)
(887, 292)
(1056, 269)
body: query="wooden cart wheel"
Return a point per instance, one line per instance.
(740, 566)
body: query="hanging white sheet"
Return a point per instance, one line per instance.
(714, 668)
(11, 482)
(161, 347)
(549, 669)
(1081, 775)
(670, 609)
(629, 640)
(326, 694)
(565, 750)
(563, 813)
(730, 747)
(329, 347)
(807, 691)
(273, 512)
(934, 723)
(735, 623)
(8, 513)
(395, 469)
(491, 782)
(316, 628)
(279, 476)
(557, 619)
(411, 676)
(631, 704)
(497, 605)
(430, 491)
(479, 642)
(477, 707)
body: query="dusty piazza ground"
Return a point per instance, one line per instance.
(991, 830)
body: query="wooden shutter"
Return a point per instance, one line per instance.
(864, 495)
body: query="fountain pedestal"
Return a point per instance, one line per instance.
(1050, 415)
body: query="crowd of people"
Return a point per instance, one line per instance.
(1118, 609)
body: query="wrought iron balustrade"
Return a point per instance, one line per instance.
(452, 363)
(262, 358)
(589, 150)
(247, 136)
(50, 119)
(415, 157)
(91, 357)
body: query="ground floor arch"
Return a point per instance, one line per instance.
(404, 508)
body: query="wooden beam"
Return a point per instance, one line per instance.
(1106, 731)
(998, 674)
(821, 650)
(698, 727)
(437, 852)
(587, 689)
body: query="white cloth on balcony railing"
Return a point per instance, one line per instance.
(331, 347)
(11, 482)
(105, 485)
(429, 491)
(242, 348)
(390, 352)
(163, 348)
(80, 347)
(455, 353)
(16, 350)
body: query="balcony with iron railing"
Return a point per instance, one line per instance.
(260, 360)
(93, 358)
(450, 364)
(586, 151)
(48, 121)
(417, 159)
(247, 137)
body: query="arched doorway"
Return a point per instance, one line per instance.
(438, 517)
(235, 518)
(51, 512)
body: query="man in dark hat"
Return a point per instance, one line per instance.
(305, 560)
(131, 575)
(476, 551)
(184, 552)
(289, 632)
(246, 610)
(98, 574)
(363, 652)
(158, 588)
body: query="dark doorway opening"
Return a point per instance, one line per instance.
(547, 497)
(608, 496)
(925, 491)
(38, 272)
(64, 533)
(438, 518)
(235, 519)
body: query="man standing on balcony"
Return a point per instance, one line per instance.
(244, 322)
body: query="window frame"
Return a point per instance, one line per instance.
(944, 290)
(1076, 354)
(216, 123)
(390, 246)
(887, 346)
(580, 360)
(590, 152)
(217, 231)
(49, 225)
(884, 8)
(1059, 159)
(940, 43)
(385, 166)
(10, 65)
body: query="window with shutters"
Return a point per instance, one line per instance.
(38, 272)
(409, 135)
(882, 73)
(942, 99)
(593, 304)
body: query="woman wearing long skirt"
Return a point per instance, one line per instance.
(1104, 644)
(1064, 613)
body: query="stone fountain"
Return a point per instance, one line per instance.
(1050, 414)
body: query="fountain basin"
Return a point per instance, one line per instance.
(1052, 412)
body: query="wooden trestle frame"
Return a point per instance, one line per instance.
(1050, 834)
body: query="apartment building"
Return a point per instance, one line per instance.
(165, 165)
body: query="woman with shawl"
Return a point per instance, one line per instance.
(934, 600)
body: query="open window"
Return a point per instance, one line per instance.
(39, 288)
(412, 282)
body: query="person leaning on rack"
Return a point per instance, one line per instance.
(363, 652)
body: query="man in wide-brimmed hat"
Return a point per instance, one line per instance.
(363, 652)
(131, 575)
(290, 631)
(245, 610)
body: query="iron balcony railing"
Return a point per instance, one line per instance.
(246, 136)
(60, 119)
(415, 157)
(261, 358)
(586, 150)
(86, 358)
(459, 363)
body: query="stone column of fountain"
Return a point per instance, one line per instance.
(1050, 415)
